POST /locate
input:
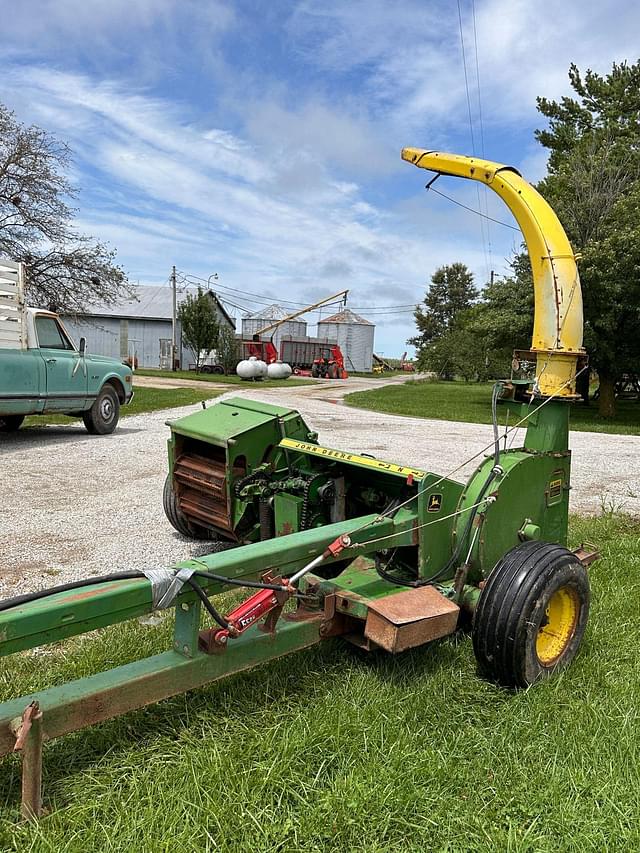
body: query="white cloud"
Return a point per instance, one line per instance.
(279, 175)
(410, 54)
(98, 31)
(211, 199)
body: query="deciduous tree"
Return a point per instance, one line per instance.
(197, 316)
(65, 270)
(227, 349)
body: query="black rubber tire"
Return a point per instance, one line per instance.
(315, 371)
(333, 371)
(177, 518)
(11, 423)
(102, 418)
(512, 609)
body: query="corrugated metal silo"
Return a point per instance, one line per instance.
(252, 323)
(354, 335)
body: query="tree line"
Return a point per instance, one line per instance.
(593, 183)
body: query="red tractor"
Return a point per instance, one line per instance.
(329, 364)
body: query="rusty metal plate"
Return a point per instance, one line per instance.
(201, 490)
(411, 618)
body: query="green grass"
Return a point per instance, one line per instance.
(226, 380)
(331, 749)
(387, 374)
(458, 401)
(145, 400)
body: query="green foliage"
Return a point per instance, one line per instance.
(227, 349)
(593, 183)
(480, 340)
(200, 331)
(451, 291)
(331, 749)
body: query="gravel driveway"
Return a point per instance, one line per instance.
(75, 505)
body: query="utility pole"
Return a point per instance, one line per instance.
(174, 347)
(492, 276)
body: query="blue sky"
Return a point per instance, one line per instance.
(261, 140)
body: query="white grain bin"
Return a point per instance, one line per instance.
(252, 323)
(354, 335)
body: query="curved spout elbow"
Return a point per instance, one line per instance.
(558, 322)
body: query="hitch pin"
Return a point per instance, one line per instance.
(333, 550)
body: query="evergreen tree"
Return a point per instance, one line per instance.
(452, 290)
(593, 182)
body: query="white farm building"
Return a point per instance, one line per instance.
(354, 335)
(140, 327)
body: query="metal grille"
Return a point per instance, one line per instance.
(201, 490)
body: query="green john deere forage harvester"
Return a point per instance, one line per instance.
(336, 544)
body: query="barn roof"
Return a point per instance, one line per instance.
(150, 302)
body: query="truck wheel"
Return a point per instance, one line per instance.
(531, 615)
(102, 417)
(11, 423)
(177, 518)
(333, 371)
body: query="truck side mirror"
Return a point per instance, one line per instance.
(83, 346)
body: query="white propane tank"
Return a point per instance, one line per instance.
(261, 368)
(251, 368)
(278, 370)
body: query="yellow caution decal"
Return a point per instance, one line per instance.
(353, 458)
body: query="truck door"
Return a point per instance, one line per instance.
(22, 382)
(65, 368)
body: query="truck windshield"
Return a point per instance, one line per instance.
(50, 335)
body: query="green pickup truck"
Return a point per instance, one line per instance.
(41, 370)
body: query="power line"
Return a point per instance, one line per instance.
(486, 204)
(257, 296)
(473, 144)
(471, 210)
(260, 299)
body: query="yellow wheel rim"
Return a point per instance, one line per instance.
(558, 625)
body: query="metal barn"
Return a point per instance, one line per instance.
(140, 326)
(354, 335)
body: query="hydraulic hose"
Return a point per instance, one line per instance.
(27, 598)
(66, 587)
(222, 622)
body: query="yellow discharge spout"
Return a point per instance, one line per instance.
(557, 325)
